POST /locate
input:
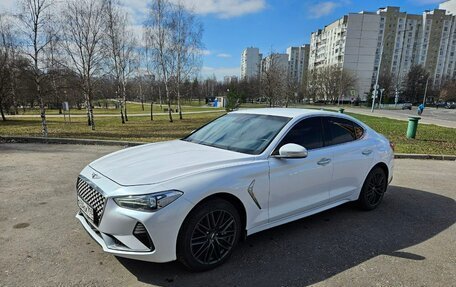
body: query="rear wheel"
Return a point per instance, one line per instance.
(209, 235)
(374, 188)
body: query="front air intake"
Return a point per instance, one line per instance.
(140, 232)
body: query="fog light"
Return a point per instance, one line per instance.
(140, 232)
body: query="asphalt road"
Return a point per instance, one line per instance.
(441, 117)
(410, 240)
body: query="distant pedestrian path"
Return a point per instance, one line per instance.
(113, 115)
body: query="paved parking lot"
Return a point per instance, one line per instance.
(410, 240)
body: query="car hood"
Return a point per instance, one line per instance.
(159, 162)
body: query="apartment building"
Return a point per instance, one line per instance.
(278, 60)
(388, 40)
(230, 80)
(250, 63)
(298, 61)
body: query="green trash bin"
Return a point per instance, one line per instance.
(412, 126)
(341, 110)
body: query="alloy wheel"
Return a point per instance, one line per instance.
(375, 188)
(213, 237)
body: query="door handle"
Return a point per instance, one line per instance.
(324, 161)
(367, 152)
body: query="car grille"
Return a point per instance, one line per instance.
(92, 197)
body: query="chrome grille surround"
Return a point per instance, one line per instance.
(92, 197)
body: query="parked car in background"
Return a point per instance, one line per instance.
(440, 104)
(407, 106)
(193, 199)
(451, 105)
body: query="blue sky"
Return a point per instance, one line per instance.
(279, 24)
(271, 25)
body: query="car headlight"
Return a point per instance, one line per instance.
(148, 202)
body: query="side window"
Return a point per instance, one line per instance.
(338, 131)
(307, 133)
(359, 131)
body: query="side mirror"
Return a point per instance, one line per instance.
(292, 151)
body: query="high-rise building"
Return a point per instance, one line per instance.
(298, 61)
(279, 61)
(250, 63)
(230, 79)
(389, 40)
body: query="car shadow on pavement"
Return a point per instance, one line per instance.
(313, 249)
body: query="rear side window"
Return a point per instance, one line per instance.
(338, 131)
(307, 133)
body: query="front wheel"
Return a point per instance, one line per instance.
(373, 189)
(208, 235)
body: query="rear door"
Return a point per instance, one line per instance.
(352, 156)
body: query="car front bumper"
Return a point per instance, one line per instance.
(115, 230)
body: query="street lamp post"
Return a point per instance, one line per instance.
(425, 90)
(376, 80)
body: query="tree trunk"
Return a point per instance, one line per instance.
(43, 118)
(179, 104)
(125, 108)
(42, 108)
(168, 99)
(121, 112)
(91, 115)
(1, 112)
(89, 122)
(152, 110)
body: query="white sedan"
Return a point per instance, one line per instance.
(193, 199)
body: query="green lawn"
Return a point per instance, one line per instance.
(430, 139)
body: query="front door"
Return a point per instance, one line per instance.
(300, 184)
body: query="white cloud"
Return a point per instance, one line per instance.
(219, 8)
(224, 8)
(205, 52)
(322, 9)
(223, 55)
(219, 72)
(8, 5)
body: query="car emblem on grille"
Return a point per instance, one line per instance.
(95, 176)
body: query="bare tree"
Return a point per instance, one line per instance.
(35, 18)
(330, 83)
(415, 83)
(291, 91)
(6, 46)
(120, 44)
(53, 64)
(273, 79)
(347, 81)
(448, 91)
(187, 44)
(83, 24)
(159, 39)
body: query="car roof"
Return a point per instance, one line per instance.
(284, 112)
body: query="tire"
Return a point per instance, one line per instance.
(208, 235)
(373, 189)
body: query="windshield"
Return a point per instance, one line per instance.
(246, 133)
